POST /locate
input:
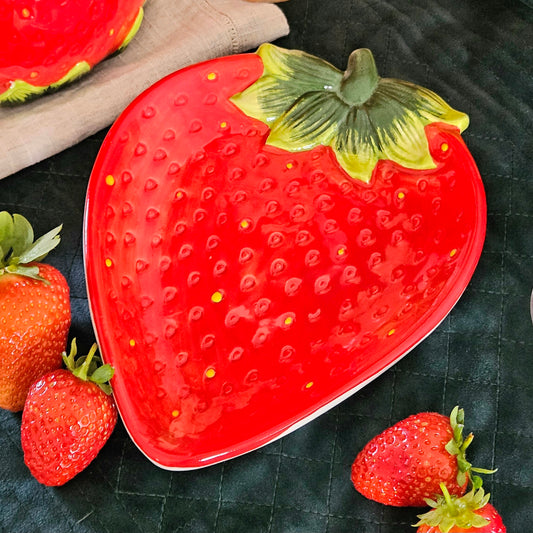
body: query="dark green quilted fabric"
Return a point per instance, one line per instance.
(478, 55)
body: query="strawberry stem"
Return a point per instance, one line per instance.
(452, 508)
(360, 79)
(89, 367)
(83, 370)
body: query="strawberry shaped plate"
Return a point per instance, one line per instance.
(48, 43)
(264, 235)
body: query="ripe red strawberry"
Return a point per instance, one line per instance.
(450, 514)
(34, 309)
(264, 235)
(68, 416)
(46, 43)
(408, 462)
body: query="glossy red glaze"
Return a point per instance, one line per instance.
(240, 290)
(41, 40)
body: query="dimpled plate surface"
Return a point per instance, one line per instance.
(240, 290)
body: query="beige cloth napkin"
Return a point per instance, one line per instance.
(174, 33)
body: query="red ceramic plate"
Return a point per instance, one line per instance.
(263, 236)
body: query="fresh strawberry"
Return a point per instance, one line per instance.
(406, 463)
(264, 235)
(68, 416)
(46, 43)
(450, 514)
(34, 312)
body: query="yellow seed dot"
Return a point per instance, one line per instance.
(453, 252)
(210, 373)
(391, 332)
(175, 413)
(223, 124)
(108, 262)
(341, 251)
(309, 385)
(444, 147)
(288, 321)
(26, 13)
(401, 195)
(245, 224)
(216, 297)
(111, 31)
(289, 165)
(179, 195)
(110, 180)
(34, 74)
(132, 342)
(212, 76)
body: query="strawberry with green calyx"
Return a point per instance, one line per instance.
(263, 236)
(68, 416)
(406, 463)
(48, 43)
(471, 512)
(35, 314)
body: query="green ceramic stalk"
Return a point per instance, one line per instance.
(307, 102)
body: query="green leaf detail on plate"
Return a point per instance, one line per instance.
(20, 90)
(134, 29)
(307, 102)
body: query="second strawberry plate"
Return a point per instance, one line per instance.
(264, 235)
